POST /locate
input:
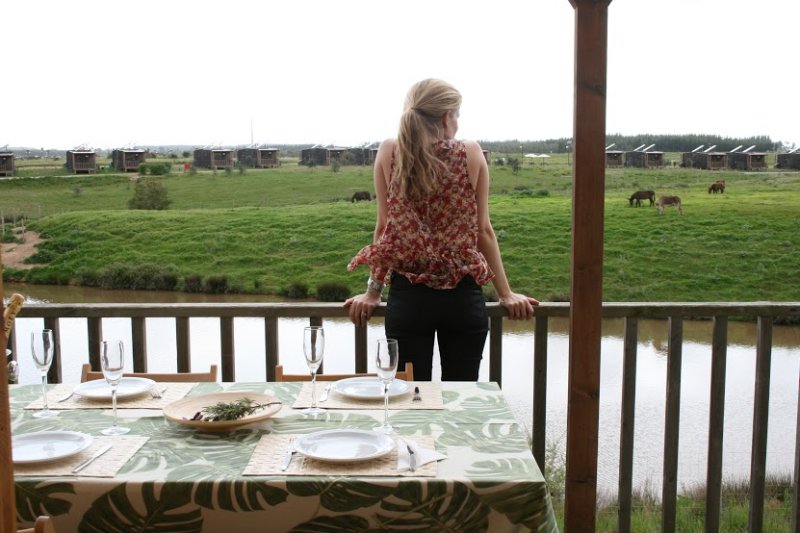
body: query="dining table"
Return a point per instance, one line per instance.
(459, 461)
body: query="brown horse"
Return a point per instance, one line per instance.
(361, 195)
(665, 201)
(717, 187)
(638, 196)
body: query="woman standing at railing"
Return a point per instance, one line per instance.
(434, 243)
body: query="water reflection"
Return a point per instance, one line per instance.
(517, 376)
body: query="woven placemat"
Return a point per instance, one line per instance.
(271, 450)
(430, 393)
(107, 465)
(173, 392)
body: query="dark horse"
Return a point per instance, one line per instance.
(638, 196)
(361, 195)
(717, 187)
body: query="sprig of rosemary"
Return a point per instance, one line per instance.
(235, 410)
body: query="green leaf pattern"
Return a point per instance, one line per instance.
(180, 476)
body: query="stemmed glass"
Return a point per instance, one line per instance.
(112, 360)
(42, 352)
(313, 348)
(386, 365)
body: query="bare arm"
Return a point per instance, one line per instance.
(518, 306)
(362, 306)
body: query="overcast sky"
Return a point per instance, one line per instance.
(196, 72)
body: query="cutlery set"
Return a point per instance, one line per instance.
(96, 455)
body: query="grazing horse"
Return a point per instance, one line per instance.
(717, 187)
(361, 195)
(638, 196)
(665, 201)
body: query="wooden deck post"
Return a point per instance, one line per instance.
(8, 508)
(586, 285)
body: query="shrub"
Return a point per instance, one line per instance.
(296, 290)
(332, 292)
(193, 283)
(149, 193)
(216, 284)
(336, 165)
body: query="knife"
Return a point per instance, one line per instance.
(412, 460)
(91, 459)
(288, 457)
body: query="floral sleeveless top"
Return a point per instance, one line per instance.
(433, 241)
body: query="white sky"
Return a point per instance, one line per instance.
(196, 72)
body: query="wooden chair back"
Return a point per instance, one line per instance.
(43, 524)
(407, 374)
(87, 374)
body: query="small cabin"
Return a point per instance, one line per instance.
(320, 156)
(789, 160)
(6, 163)
(214, 159)
(705, 160)
(644, 159)
(258, 157)
(81, 161)
(614, 158)
(747, 160)
(487, 155)
(127, 160)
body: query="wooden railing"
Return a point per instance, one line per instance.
(675, 313)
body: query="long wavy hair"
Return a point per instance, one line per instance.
(416, 164)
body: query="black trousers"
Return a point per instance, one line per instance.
(415, 312)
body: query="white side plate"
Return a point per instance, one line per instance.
(47, 446)
(369, 388)
(99, 389)
(344, 445)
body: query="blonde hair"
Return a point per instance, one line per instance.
(420, 127)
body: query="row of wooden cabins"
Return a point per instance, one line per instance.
(707, 159)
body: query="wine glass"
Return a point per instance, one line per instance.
(386, 365)
(42, 352)
(313, 348)
(112, 360)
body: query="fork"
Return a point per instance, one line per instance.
(156, 394)
(325, 393)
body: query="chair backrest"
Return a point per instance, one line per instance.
(407, 374)
(87, 374)
(43, 524)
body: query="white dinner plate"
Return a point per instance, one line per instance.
(47, 446)
(369, 388)
(344, 445)
(99, 389)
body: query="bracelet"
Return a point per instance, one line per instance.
(374, 286)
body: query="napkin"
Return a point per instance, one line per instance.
(422, 455)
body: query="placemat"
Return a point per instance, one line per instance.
(430, 393)
(173, 392)
(107, 465)
(271, 449)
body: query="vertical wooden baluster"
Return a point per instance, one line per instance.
(271, 346)
(183, 344)
(139, 342)
(539, 427)
(627, 422)
(669, 488)
(758, 454)
(716, 423)
(227, 350)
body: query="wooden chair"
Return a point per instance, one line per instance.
(407, 374)
(87, 374)
(43, 524)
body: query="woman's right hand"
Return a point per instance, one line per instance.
(519, 306)
(362, 306)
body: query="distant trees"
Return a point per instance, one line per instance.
(149, 193)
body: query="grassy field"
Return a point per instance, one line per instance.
(265, 230)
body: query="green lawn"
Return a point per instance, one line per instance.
(264, 230)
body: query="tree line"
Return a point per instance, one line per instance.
(663, 143)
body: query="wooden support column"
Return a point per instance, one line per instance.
(586, 285)
(8, 508)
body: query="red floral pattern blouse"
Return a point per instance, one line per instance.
(432, 241)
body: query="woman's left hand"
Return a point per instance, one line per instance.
(519, 306)
(362, 307)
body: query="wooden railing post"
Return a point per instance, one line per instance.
(758, 455)
(716, 423)
(669, 487)
(628, 410)
(586, 272)
(539, 426)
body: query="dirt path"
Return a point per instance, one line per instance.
(14, 254)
